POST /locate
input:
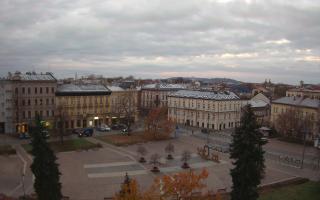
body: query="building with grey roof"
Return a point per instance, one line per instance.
(83, 105)
(32, 94)
(156, 95)
(203, 109)
(305, 108)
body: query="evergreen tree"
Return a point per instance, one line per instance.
(248, 156)
(44, 167)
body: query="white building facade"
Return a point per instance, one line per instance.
(6, 100)
(203, 109)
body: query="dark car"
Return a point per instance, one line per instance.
(205, 130)
(23, 136)
(118, 126)
(77, 130)
(87, 132)
(45, 134)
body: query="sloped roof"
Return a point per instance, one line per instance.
(162, 86)
(83, 89)
(298, 101)
(205, 95)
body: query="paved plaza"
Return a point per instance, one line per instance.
(95, 174)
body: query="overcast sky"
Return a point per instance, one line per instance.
(248, 40)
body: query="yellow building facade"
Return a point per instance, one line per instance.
(304, 106)
(83, 106)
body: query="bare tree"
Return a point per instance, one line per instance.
(294, 124)
(154, 160)
(61, 119)
(169, 149)
(126, 108)
(186, 156)
(142, 151)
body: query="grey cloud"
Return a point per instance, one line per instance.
(103, 35)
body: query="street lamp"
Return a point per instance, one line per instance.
(22, 182)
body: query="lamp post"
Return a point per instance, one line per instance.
(304, 147)
(22, 182)
(317, 146)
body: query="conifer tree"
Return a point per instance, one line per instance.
(44, 167)
(248, 158)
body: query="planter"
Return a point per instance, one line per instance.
(185, 166)
(155, 170)
(169, 157)
(142, 160)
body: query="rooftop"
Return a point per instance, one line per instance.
(205, 95)
(298, 101)
(115, 88)
(257, 103)
(83, 89)
(304, 90)
(163, 86)
(32, 76)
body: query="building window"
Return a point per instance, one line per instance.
(48, 113)
(47, 101)
(47, 90)
(52, 90)
(23, 90)
(40, 90)
(16, 90)
(29, 90)
(23, 115)
(52, 101)
(41, 113)
(36, 102)
(23, 102)
(35, 90)
(29, 102)
(29, 114)
(40, 101)
(52, 113)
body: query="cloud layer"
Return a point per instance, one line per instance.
(247, 40)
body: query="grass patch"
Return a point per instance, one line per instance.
(309, 190)
(122, 140)
(78, 144)
(7, 150)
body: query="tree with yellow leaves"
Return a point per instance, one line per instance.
(182, 185)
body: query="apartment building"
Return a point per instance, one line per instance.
(205, 109)
(156, 95)
(83, 105)
(261, 105)
(6, 100)
(32, 94)
(123, 102)
(304, 106)
(303, 92)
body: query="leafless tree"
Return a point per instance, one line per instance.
(142, 151)
(154, 160)
(294, 124)
(126, 108)
(61, 119)
(169, 149)
(186, 156)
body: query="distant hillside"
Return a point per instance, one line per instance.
(227, 81)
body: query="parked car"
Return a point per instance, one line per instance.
(45, 134)
(87, 132)
(24, 136)
(118, 126)
(205, 130)
(125, 131)
(77, 130)
(103, 128)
